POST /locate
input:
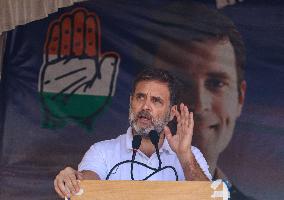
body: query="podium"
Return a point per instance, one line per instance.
(145, 190)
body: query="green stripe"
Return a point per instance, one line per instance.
(74, 106)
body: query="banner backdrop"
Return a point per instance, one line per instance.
(67, 80)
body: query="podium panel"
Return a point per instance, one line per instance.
(145, 190)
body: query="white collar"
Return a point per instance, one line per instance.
(129, 137)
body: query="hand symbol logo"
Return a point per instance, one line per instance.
(76, 80)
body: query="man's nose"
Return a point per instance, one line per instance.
(201, 100)
(146, 105)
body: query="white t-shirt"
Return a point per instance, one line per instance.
(102, 156)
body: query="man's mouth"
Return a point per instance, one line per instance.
(214, 126)
(144, 121)
(144, 117)
(200, 128)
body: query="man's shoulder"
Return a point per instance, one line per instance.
(110, 142)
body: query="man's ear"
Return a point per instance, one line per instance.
(173, 111)
(130, 99)
(242, 94)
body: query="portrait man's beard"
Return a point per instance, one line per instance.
(156, 124)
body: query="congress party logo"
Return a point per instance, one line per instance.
(77, 79)
(220, 194)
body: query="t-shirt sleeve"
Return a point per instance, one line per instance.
(94, 160)
(201, 162)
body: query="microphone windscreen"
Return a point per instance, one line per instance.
(136, 142)
(154, 137)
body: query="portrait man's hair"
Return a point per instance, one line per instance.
(187, 22)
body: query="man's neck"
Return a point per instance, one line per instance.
(148, 148)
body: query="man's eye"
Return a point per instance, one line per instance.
(157, 101)
(215, 84)
(139, 97)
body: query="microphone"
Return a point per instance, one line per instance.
(136, 142)
(155, 137)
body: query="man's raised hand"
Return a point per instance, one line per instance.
(180, 143)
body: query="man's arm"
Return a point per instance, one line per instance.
(191, 168)
(66, 182)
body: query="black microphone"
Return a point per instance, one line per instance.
(136, 142)
(155, 137)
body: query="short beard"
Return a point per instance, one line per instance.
(156, 124)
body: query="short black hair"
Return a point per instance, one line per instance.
(161, 75)
(189, 21)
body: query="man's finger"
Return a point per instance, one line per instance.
(168, 133)
(177, 114)
(69, 184)
(191, 121)
(186, 116)
(58, 191)
(75, 183)
(182, 111)
(68, 192)
(61, 187)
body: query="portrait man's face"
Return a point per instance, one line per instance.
(149, 107)
(208, 69)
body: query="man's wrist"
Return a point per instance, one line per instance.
(186, 157)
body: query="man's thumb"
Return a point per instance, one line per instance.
(79, 175)
(168, 133)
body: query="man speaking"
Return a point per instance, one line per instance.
(148, 150)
